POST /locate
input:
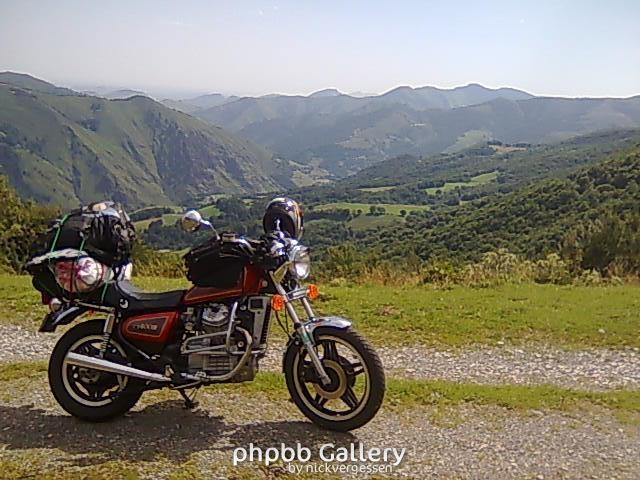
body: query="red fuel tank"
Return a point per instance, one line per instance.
(251, 285)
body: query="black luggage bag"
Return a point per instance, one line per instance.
(103, 230)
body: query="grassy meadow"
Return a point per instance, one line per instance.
(474, 182)
(564, 316)
(365, 221)
(390, 208)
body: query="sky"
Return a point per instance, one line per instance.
(176, 48)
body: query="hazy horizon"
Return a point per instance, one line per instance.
(576, 49)
(180, 94)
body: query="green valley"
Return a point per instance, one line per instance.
(364, 208)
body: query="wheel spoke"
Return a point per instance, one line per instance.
(320, 400)
(356, 369)
(349, 398)
(330, 350)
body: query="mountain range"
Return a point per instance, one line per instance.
(59, 146)
(343, 134)
(65, 147)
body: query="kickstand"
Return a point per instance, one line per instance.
(189, 403)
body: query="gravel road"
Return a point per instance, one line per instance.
(467, 442)
(19, 344)
(593, 369)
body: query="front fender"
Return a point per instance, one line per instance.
(63, 317)
(311, 325)
(335, 322)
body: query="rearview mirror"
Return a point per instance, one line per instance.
(191, 221)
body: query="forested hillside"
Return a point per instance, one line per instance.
(534, 220)
(451, 179)
(64, 148)
(531, 200)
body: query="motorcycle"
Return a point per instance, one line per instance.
(214, 332)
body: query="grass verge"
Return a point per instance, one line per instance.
(439, 393)
(564, 316)
(411, 393)
(21, 370)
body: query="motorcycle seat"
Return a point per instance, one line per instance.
(127, 296)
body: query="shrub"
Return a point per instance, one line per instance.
(21, 223)
(440, 272)
(497, 268)
(154, 263)
(609, 244)
(552, 269)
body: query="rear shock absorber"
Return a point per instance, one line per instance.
(106, 334)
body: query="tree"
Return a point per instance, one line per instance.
(21, 223)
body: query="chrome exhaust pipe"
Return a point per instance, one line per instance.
(112, 367)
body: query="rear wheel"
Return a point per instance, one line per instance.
(85, 393)
(357, 384)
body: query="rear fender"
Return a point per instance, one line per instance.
(63, 317)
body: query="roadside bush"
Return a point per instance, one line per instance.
(154, 263)
(496, 268)
(502, 267)
(589, 278)
(440, 272)
(609, 244)
(21, 223)
(347, 263)
(552, 269)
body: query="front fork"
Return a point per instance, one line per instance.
(303, 332)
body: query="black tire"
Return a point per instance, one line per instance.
(122, 403)
(368, 407)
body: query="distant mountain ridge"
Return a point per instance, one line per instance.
(433, 97)
(327, 92)
(343, 134)
(202, 102)
(31, 83)
(123, 94)
(59, 146)
(151, 154)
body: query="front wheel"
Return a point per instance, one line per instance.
(357, 384)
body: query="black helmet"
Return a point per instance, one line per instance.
(285, 215)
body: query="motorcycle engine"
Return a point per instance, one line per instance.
(205, 347)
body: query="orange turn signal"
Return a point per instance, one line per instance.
(277, 303)
(313, 292)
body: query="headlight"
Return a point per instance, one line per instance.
(300, 265)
